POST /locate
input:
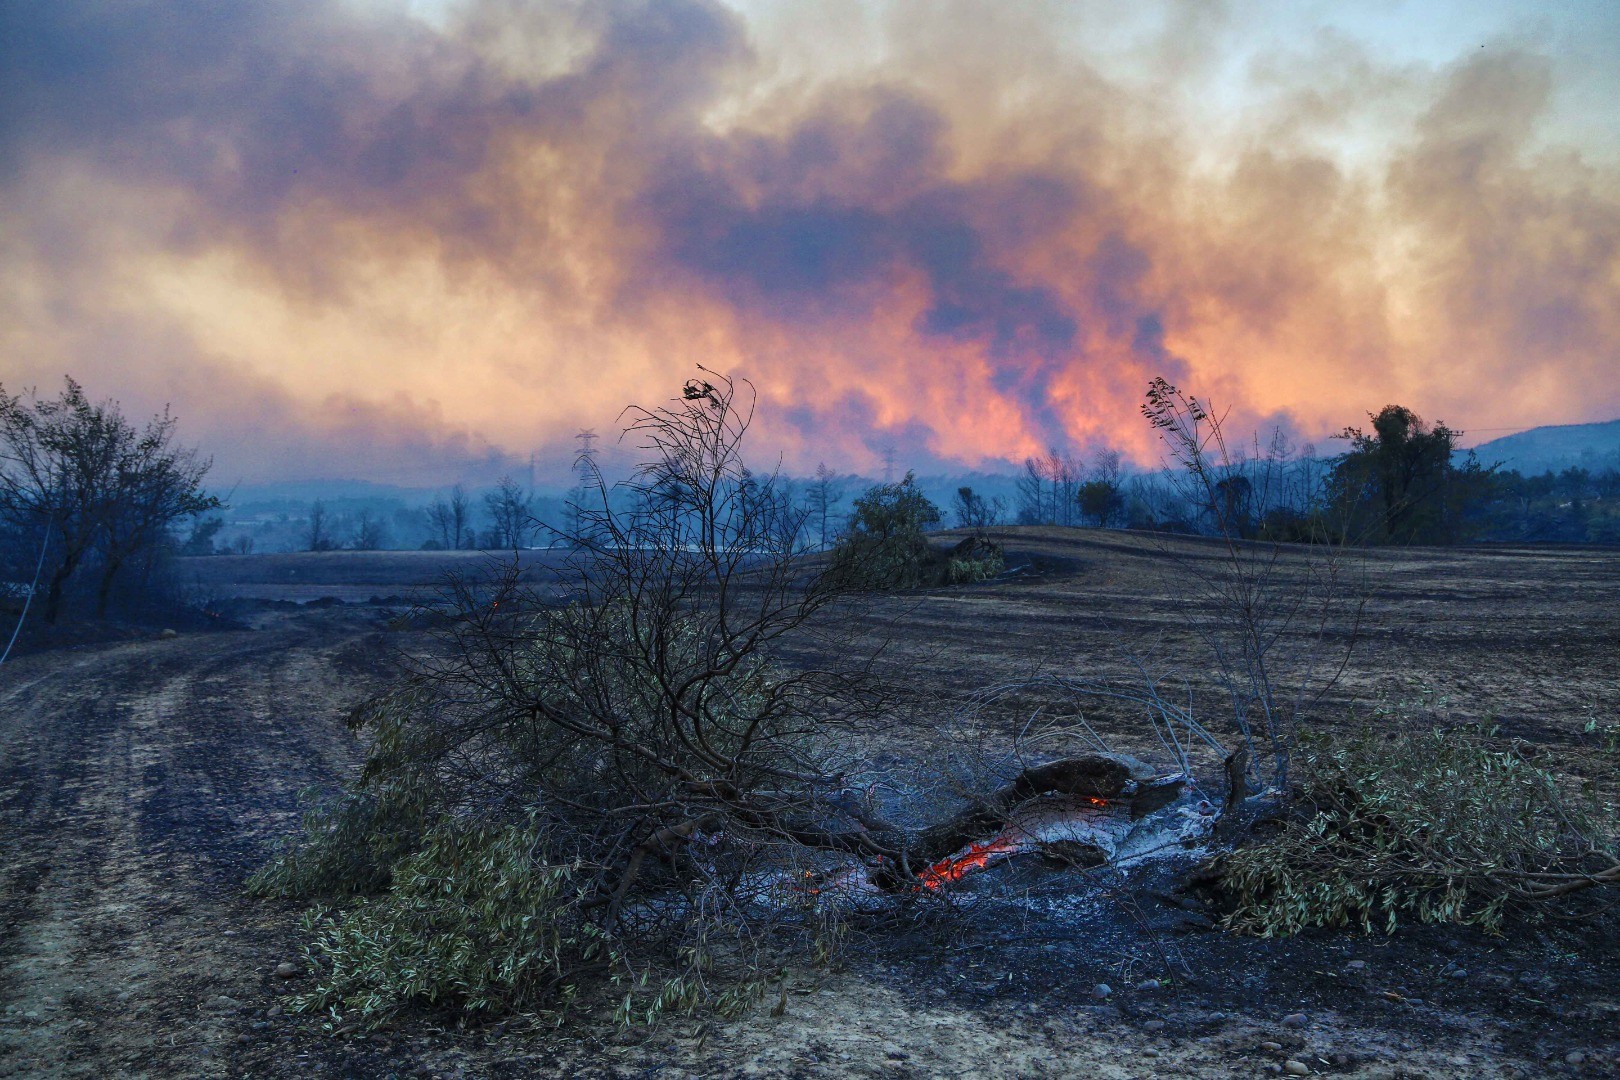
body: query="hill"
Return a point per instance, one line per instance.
(1556, 448)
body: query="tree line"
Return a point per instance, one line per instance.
(1402, 480)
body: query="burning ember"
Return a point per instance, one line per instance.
(1073, 819)
(976, 857)
(1151, 817)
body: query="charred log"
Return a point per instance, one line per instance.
(1104, 780)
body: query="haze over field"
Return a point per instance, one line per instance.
(412, 242)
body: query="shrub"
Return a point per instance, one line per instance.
(478, 919)
(974, 559)
(557, 793)
(348, 845)
(883, 546)
(1432, 826)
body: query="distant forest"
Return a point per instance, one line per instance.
(1402, 481)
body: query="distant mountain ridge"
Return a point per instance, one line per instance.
(1555, 448)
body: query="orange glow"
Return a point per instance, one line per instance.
(347, 242)
(976, 857)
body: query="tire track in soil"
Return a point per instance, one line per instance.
(139, 785)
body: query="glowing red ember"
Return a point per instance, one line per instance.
(975, 857)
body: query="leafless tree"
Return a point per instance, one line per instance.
(157, 484)
(369, 532)
(460, 517)
(1260, 600)
(824, 494)
(1047, 489)
(440, 523)
(974, 511)
(317, 531)
(511, 515)
(451, 519)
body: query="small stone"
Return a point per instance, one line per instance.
(1295, 1067)
(1271, 1047)
(894, 1053)
(1357, 965)
(1101, 991)
(1150, 1052)
(168, 634)
(1575, 1057)
(1460, 973)
(1153, 1025)
(288, 970)
(1295, 1020)
(244, 1038)
(1148, 984)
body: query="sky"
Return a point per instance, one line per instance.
(415, 242)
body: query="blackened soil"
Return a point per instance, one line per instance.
(142, 781)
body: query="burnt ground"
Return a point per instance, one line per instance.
(142, 781)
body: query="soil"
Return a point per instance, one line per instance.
(141, 781)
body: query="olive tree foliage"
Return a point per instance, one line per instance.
(884, 546)
(638, 755)
(90, 488)
(1100, 497)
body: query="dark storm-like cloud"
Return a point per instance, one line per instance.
(986, 266)
(285, 125)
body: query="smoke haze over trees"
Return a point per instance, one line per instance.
(977, 236)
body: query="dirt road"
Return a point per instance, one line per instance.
(139, 783)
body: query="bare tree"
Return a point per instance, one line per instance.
(441, 524)
(823, 496)
(460, 518)
(317, 531)
(511, 515)
(658, 747)
(974, 511)
(369, 532)
(1259, 599)
(1047, 489)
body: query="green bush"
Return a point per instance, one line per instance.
(478, 920)
(884, 546)
(1431, 826)
(973, 560)
(348, 846)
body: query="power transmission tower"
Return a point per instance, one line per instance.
(585, 457)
